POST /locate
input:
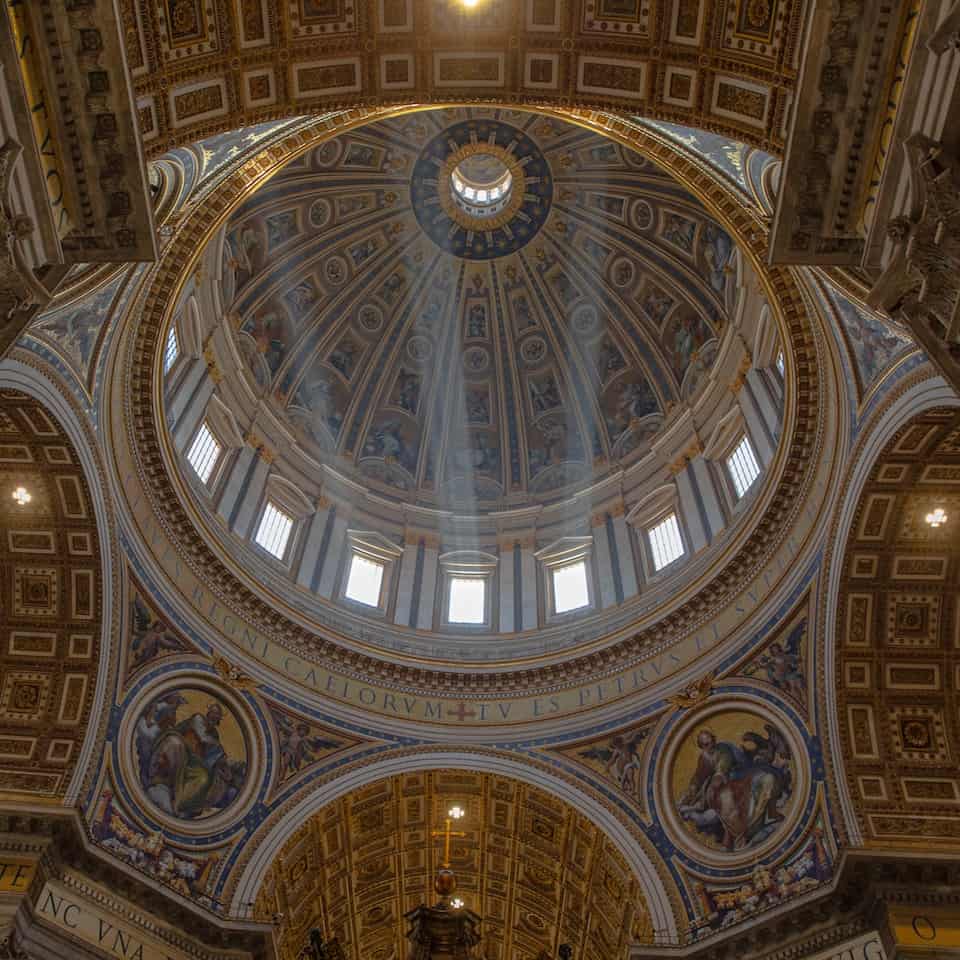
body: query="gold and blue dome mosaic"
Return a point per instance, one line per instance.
(468, 350)
(481, 189)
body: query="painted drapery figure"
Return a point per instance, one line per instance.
(737, 791)
(186, 767)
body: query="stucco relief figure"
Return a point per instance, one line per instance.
(736, 794)
(192, 754)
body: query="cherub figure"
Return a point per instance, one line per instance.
(151, 637)
(297, 747)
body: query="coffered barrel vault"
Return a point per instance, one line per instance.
(200, 66)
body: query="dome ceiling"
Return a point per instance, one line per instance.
(456, 358)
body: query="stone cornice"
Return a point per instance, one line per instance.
(59, 840)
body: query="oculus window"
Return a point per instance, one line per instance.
(742, 466)
(274, 531)
(468, 599)
(666, 544)
(204, 453)
(570, 590)
(171, 350)
(364, 581)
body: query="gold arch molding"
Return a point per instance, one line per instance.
(253, 626)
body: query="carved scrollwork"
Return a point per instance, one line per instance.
(921, 283)
(17, 292)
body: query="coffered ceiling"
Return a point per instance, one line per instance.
(201, 66)
(898, 648)
(538, 872)
(51, 603)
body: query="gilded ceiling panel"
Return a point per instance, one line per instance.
(50, 609)
(898, 643)
(201, 66)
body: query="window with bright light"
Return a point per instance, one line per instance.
(570, 590)
(743, 466)
(274, 530)
(781, 365)
(364, 580)
(665, 542)
(204, 452)
(171, 350)
(467, 600)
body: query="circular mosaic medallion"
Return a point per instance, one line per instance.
(642, 215)
(586, 321)
(320, 212)
(335, 270)
(419, 349)
(476, 360)
(734, 779)
(481, 189)
(370, 317)
(622, 272)
(327, 154)
(533, 350)
(190, 749)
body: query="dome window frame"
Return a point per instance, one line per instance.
(741, 461)
(281, 533)
(212, 467)
(559, 556)
(474, 565)
(374, 548)
(728, 434)
(647, 515)
(289, 500)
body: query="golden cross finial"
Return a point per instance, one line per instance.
(454, 813)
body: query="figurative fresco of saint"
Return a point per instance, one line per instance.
(655, 303)
(683, 336)
(395, 444)
(281, 228)
(609, 360)
(679, 231)
(191, 754)
(481, 454)
(406, 391)
(476, 321)
(626, 403)
(544, 394)
(245, 257)
(271, 332)
(716, 247)
(732, 783)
